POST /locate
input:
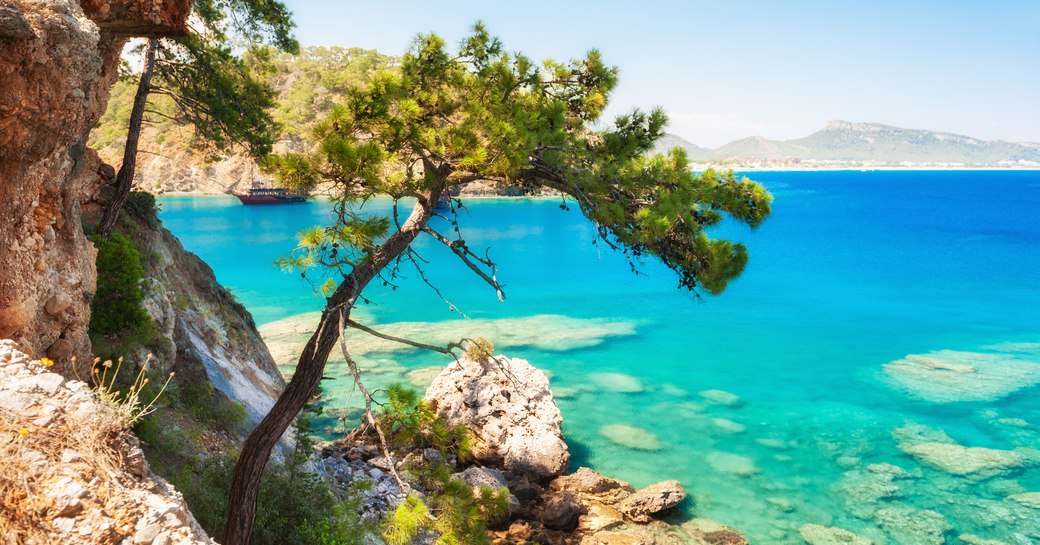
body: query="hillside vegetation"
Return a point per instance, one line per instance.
(172, 158)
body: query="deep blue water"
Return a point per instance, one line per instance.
(852, 271)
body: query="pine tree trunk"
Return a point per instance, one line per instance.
(245, 485)
(125, 177)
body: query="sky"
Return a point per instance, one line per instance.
(730, 69)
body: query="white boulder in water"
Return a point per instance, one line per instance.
(508, 407)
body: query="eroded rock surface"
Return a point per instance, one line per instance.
(56, 67)
(75, 472)
(507, 405)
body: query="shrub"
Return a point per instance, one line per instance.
(142, 205)
(116, 308)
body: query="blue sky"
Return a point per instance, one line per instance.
(725, 70)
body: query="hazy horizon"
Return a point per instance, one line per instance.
(781, 71)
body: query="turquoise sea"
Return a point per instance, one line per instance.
(854, 271)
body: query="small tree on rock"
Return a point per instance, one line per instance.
(449, 119)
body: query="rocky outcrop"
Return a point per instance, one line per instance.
(507, 404)
(206, 335)
(72, 472)
(508, 407)
(56, 67)
(643, 504)
(154, 18)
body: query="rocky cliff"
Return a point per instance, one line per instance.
(72, 472)
(58, 59)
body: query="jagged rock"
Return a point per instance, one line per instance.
(507, 405)
(649, 501)
(79, 471)
(475, 477)
(599, 517)
(814, 534)
(588, 482)
(561, 511)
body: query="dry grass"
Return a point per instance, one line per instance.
(31, 458)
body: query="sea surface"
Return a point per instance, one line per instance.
(789, 399)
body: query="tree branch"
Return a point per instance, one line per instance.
(459, 248)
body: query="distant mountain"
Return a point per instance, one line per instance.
(873, 143)
(695, 152)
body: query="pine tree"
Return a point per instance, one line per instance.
(447, 119)
(209, 85)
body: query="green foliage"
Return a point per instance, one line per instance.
(141, 205)
(451, 509)
(294, 506)
(409, 423)
(217, 92)
(449, 118)
(116, 309)
(454, 512)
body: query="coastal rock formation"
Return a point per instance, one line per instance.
(56, 67)
(507, 405)
(641, 505)
(207, 336)
(960, 460)
(584, 507)
(72, 472)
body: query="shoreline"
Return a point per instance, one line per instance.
(697, 169)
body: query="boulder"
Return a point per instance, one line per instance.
(507, 405)
(592, 483)
(644, 503)
(561, 512)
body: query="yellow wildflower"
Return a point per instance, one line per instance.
(23, 432)
(46, 362)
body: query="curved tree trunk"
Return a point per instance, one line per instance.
(257, 449)
(125, 177)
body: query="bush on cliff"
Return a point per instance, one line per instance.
(118, 320)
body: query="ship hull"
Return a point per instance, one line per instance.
(270, 199)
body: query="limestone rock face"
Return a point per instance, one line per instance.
(80, 472)
(507, 405)
(644, 503)
(56, 67)
(205, 334)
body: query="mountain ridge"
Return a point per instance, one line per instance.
(864, 143)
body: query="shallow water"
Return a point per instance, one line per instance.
(854, 271)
